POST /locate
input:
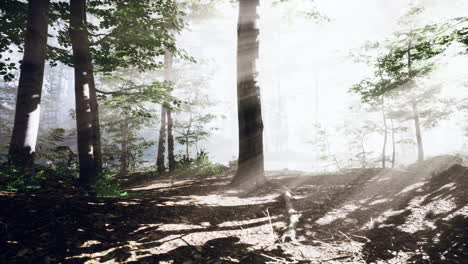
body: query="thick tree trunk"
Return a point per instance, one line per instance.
(162, 142)
(83, 81)
(393, 143)
(417, 126)
(26, 124)
(385, 132)
(124, 149)
(168, 59)
(250, 171)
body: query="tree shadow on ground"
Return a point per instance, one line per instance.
(429, 227)
(220, 250)
(153, 229)
(45, 229)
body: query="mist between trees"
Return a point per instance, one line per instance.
(129, 86)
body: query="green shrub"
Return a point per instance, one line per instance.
(201, 166)
(108, 186)
(45, 177)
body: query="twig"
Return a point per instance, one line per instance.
(273, 233)
(337, 258)
(363, 237)
(345, 235)
(272, 258)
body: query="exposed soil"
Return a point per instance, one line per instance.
(362, 216)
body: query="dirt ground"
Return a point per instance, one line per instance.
(361, 216)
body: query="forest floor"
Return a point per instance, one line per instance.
(361, 216)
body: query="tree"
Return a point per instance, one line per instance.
(166, 121)
(126, 110)
(376, 103)
(168, 61)
(408, 58)
(193, 130)
(160, 162)
(250, 170)
(26, 124)
(84, 86)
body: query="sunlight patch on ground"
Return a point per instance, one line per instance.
(379, 201)
(143, 227)
(247, 222)
(449, 186)
(383, 179)
(461, 211)
(90, 243)
(222, 200)
(337, 214)
(126, 203)
(159, 185)
(178, 227)
(380, 219)
(92, 203)
(411, 187)
(417, 220)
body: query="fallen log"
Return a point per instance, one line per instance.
(293, 218)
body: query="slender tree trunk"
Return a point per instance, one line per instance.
(95, 120)
(83, 81)
(250, 171)
(168, 60)
(26, 124)
(170, 141)
(417, 126)
(124, 149)
(385, 132)
(187, 147)
(364, 156)
(162, 142)
(393, 143)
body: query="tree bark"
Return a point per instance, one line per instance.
(26, 124)
(385, 132)
(124, 149)
(393, 143)
(83, 82)
(250, 171)
(417, 126)
(170, 141)
(162, 142)
(168, 59)
(95, 121)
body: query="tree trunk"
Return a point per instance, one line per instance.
(385, 132)
(170, 141)
(124, 149)
(417, 126)
(83, 81)
(95, 120)
(187, 153)
(393, 144)
(26, 124)
(250, 171)
(168, 59)
(162, 142)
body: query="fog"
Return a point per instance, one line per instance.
(305, 73)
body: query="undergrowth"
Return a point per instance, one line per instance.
(57, 177)
(201, 166)
(45, 178)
